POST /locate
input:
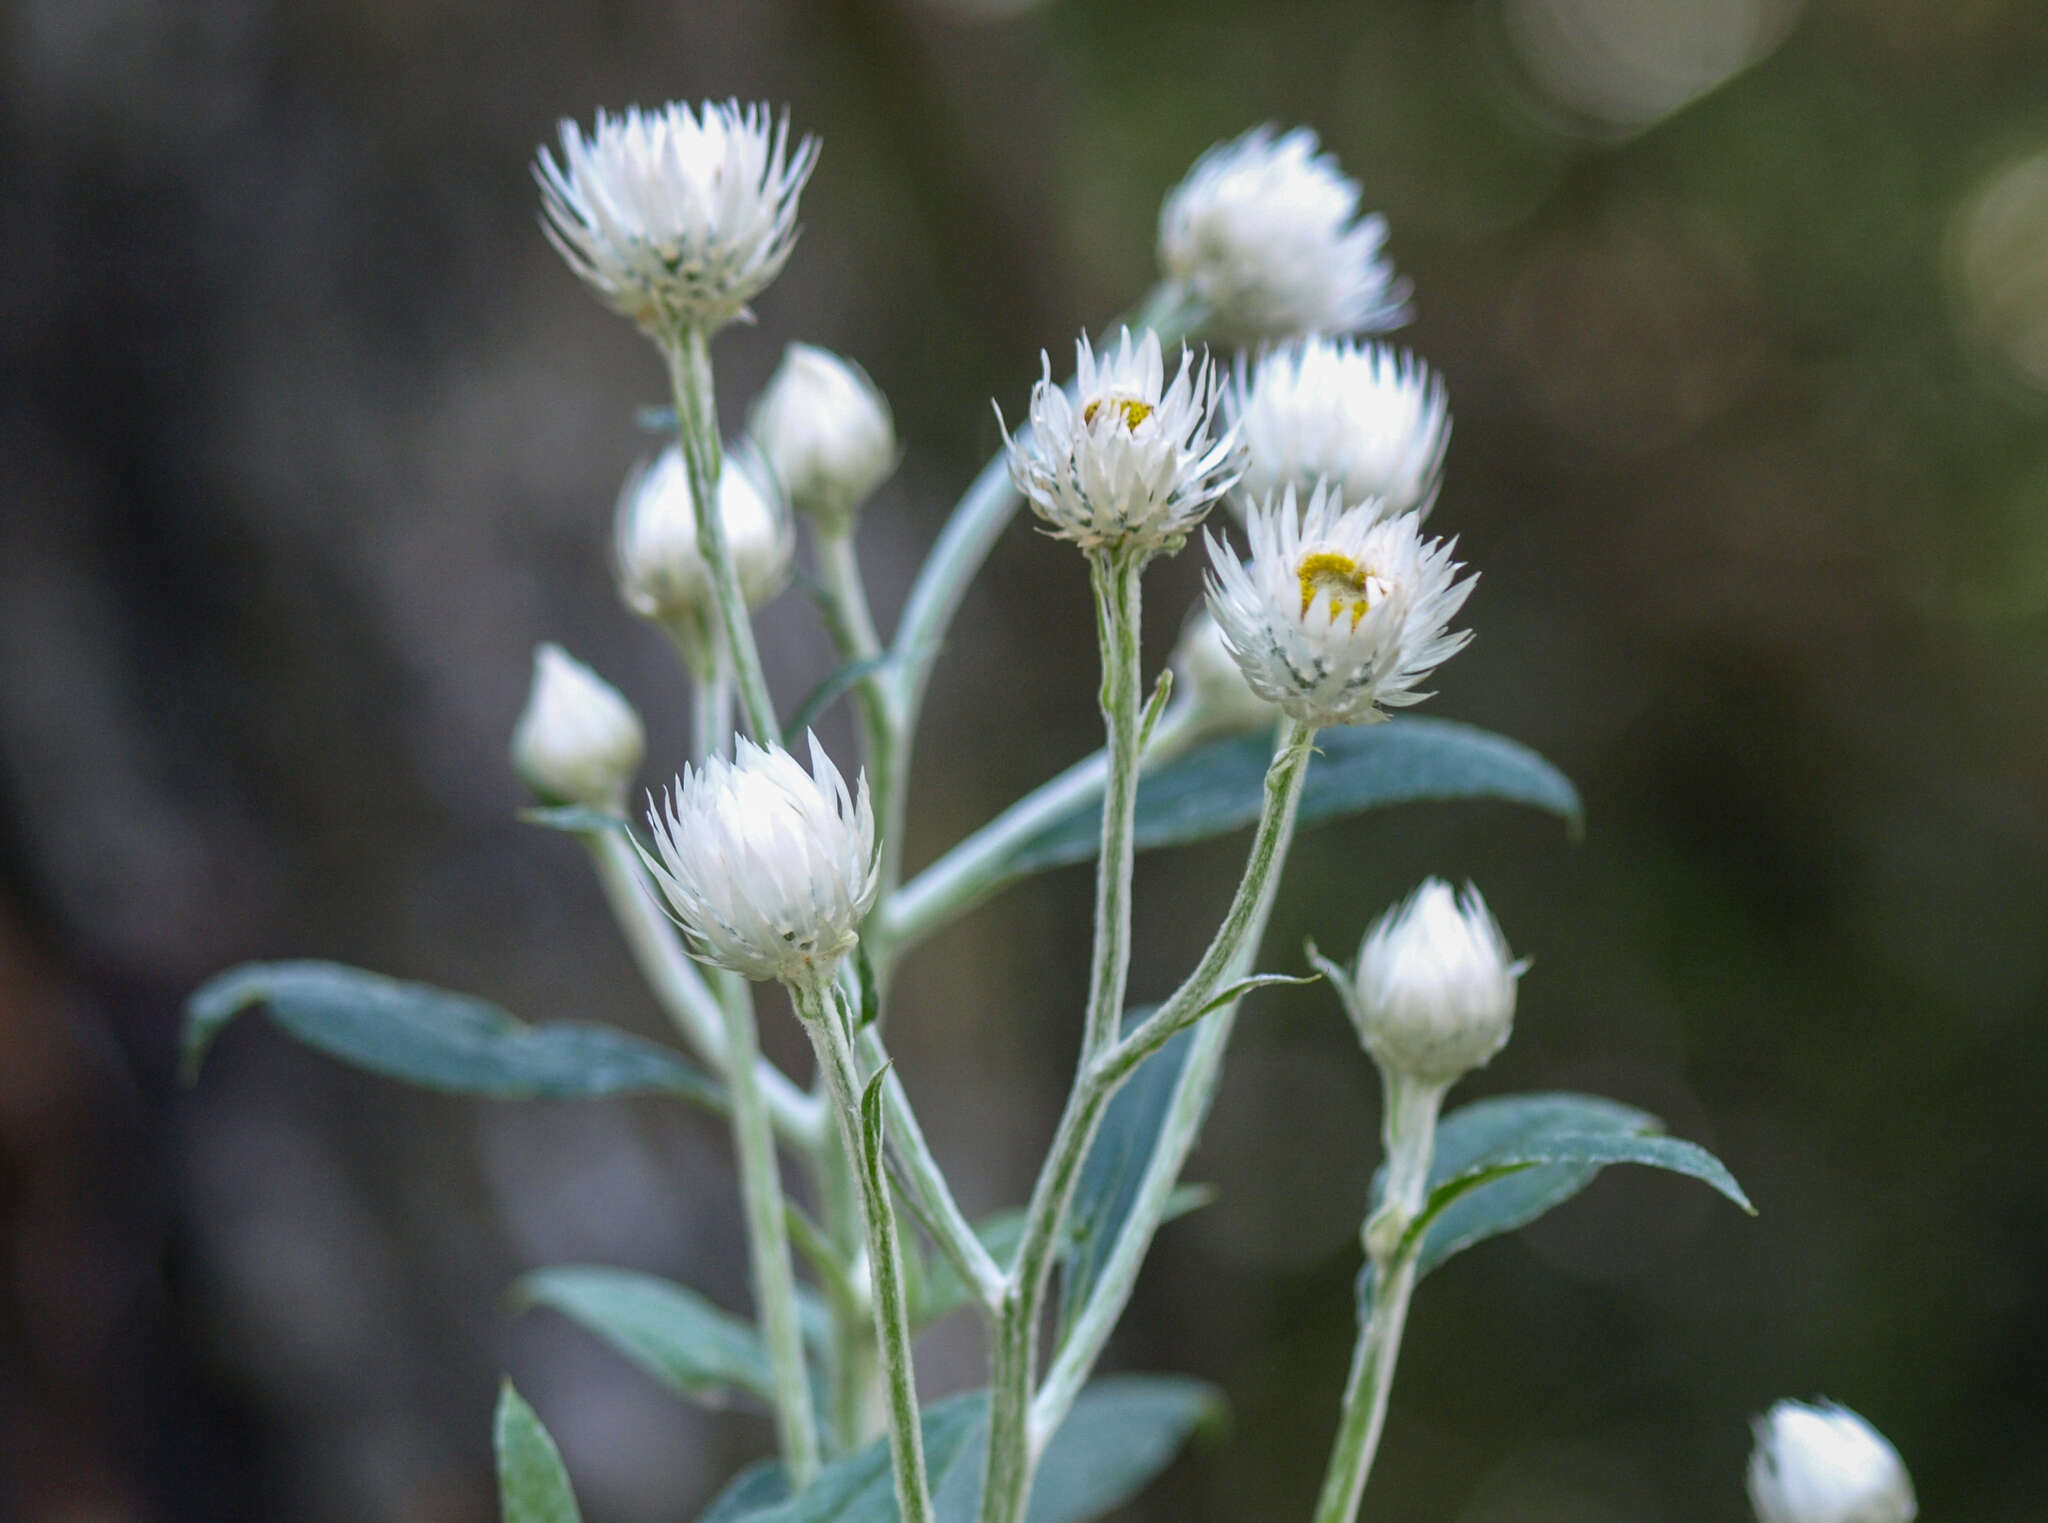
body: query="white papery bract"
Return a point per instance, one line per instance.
(1208, 679)
(1433, 988)
(577, 741)
(769, 869)
(1372, 422)
(677, 218)
(661, 573)
(1824, 1464)
(1124, 459)
(825, 430)
(1264, 233)
(1341, 612)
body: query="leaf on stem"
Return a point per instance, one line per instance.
(872, 1110)
(838, 682)
(426, 1036)
(944, 1291)
(689, 1345)
(1221, 787)
(577, 819)
(532, 1485)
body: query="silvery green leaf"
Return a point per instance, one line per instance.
(532, 1485)
(671, 1332)
(838, 681)
(1123, 1430)
(577, 819)
(1221, 787)
(430, 1037)
(1115, 1166)
(944, 1292)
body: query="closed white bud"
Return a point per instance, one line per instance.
(1207, 679)
(662, 575)
(1264, 233)
(1433, 990)
(1125, 459)
(577, 741)
(676, 218)
(1824, 1464)
(769, 869)
(1341, 612)
(825, 430)
(1372, 422)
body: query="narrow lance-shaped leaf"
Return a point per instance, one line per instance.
(1221, 787)
(532, 1485)
(430, 1037)
(691, 1346)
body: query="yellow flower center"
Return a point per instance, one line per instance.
(1130, 409)
(1349, 585)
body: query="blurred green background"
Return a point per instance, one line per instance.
(308, 437)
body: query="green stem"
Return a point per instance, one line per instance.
(853, 1332)
(1229, 956)
(1409, 1126)
(825, 1022)
(1116, 577)
(852, 626)
(685, 998)
(689, 364)
(768, 1246)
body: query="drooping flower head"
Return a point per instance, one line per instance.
(1369, 420)
(1341, 611)
(661, 573)
(577, 741)
(677, 217)
(1265, 234)
(1126, 459)
(1432, 992)
(769, 869)
(1824, 1464)
(826, 432)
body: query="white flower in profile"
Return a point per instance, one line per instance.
(1265, 234)
(1341, 612)
(1371, 421)
(1432, 991)
(1125, 460)
(661, 573)
(676, 218)
(769, 869)
(1824, 1464)
(826, 432)
(577, 741)
(1208, 680)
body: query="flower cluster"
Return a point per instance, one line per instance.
(676, 218)
(1126, 459)
(1265, 235)
(1341, 612)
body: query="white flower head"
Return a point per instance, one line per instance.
(1371, 421)
(1126, 459)
(826, 432)
(1208, 678)
(1265, 234)
(1433, 989)
(661, 573)
(769, 869)
(577, 741)
(1824, 1464)
(1341, 612)
(676, 218)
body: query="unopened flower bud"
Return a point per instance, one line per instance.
(1433, 990)
(577, 741)
(770, 868)
(1208, 679)
(826, 432)
(661, 573)
(1264, 233)
(1824, 1464)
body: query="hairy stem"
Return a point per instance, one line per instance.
(826, 1025)
(1409, 1125)
(845, 603)
(768, 1246)
(689, 365)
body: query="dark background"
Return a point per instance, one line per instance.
(307, 437)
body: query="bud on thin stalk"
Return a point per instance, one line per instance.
(577, 741)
